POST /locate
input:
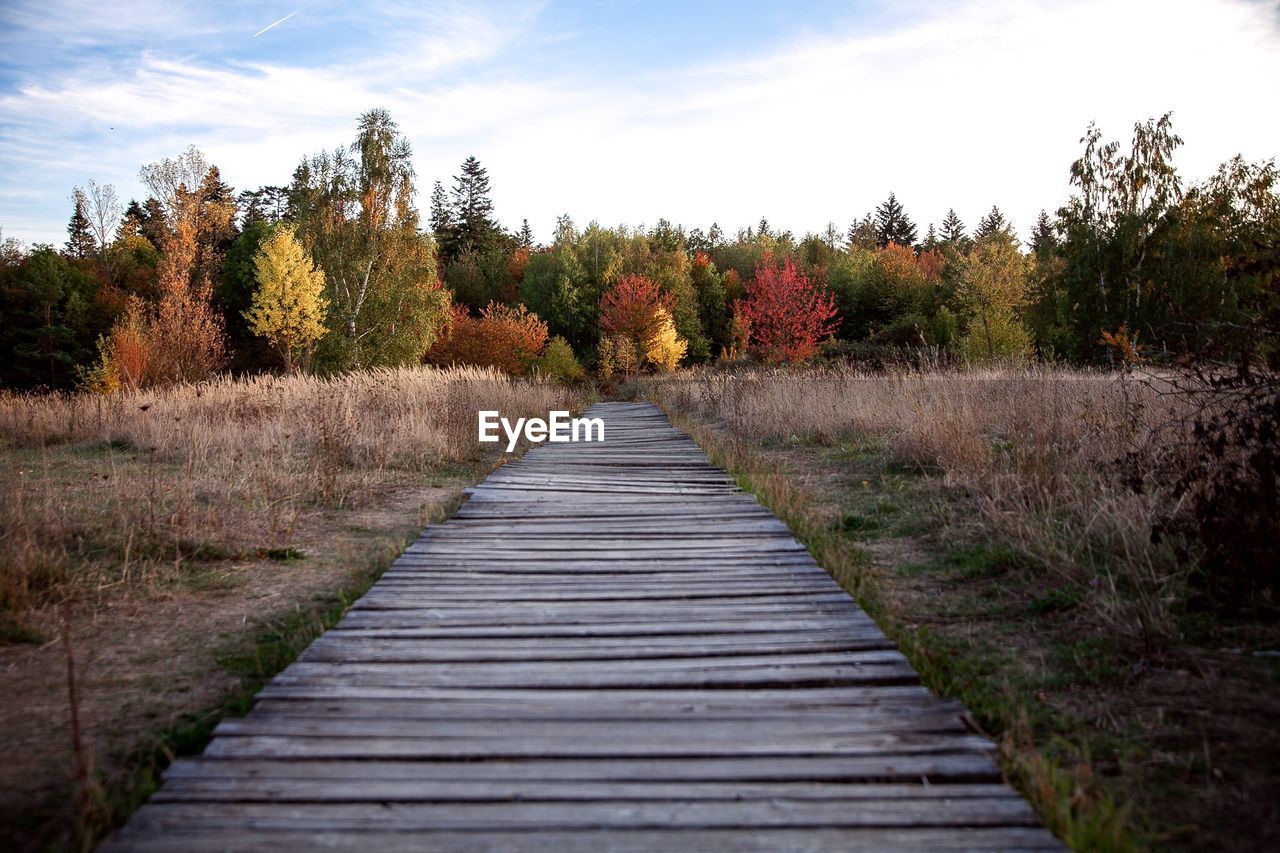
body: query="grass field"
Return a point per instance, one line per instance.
(998, 525)
(181, 544)
(178, 547)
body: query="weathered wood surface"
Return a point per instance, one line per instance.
(608, 647)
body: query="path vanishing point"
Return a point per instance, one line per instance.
(609, 647)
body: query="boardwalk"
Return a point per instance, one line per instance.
(609, 647)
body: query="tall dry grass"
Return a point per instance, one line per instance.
(98, 491)
(1046, 456)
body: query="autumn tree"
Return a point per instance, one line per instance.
(510, 339)
(191, 214)
(993, 290)
(355, 213)
(289, 305)
(789, 316)
(664, 348)
(184, 331)
(632, 309)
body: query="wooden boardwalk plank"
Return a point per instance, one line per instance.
(608, 647)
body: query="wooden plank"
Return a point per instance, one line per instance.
(626, 840)
(923, 769)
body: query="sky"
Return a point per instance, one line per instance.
(626, 112)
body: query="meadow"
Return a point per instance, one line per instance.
(1001, 525)
(165, 550)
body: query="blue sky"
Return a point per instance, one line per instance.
(626, 112)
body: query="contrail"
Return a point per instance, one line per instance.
(276, 24)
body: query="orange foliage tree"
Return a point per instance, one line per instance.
(930, 265)
(510, 339)
(631, 309)
(788, 314)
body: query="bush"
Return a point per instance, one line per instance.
(1231, 479)
(559, 362)
(510, 339)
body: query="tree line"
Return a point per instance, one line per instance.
(336, 270)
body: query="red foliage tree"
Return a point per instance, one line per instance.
(510, 339)
(630, 308)
(930, 264)
(788, 314)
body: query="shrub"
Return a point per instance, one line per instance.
(559, 362)
(510, 339)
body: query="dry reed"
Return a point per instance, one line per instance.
(1044, 454)
(104, 490)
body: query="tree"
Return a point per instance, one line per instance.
(664, 348)
(267, 203)
(184, 333)
(788, 315)
(993, 223)
(713, 305)
(993, 289)
(632, 309)
(930, 239)
(104, 219)
(558, 287)
(49, 327)
(952, 227)
(510, 339)
(441, 216)
(1116, 231)
(893, 225)
(862, 233)
(526, 235)
(473, 227)
(233, 294)
(617, 353)
(80, 242)
(559, 362)
(1043, 239)
(289, 305)
(355, 213)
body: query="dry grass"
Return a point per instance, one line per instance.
(1043, 453)
(989, 521)
(106, 490)
(159, 533)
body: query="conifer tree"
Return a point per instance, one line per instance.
(1043, 239)
(80, 242)
(893, 225)
(526, 235)
(992, 223)
(952, 227)
(441, 216)
(474, 226)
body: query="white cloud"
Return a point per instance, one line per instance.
(963, 106)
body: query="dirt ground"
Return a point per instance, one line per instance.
(145, 658)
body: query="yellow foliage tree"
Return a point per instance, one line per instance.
(993, 289)
(664, 348)
(289, 306)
